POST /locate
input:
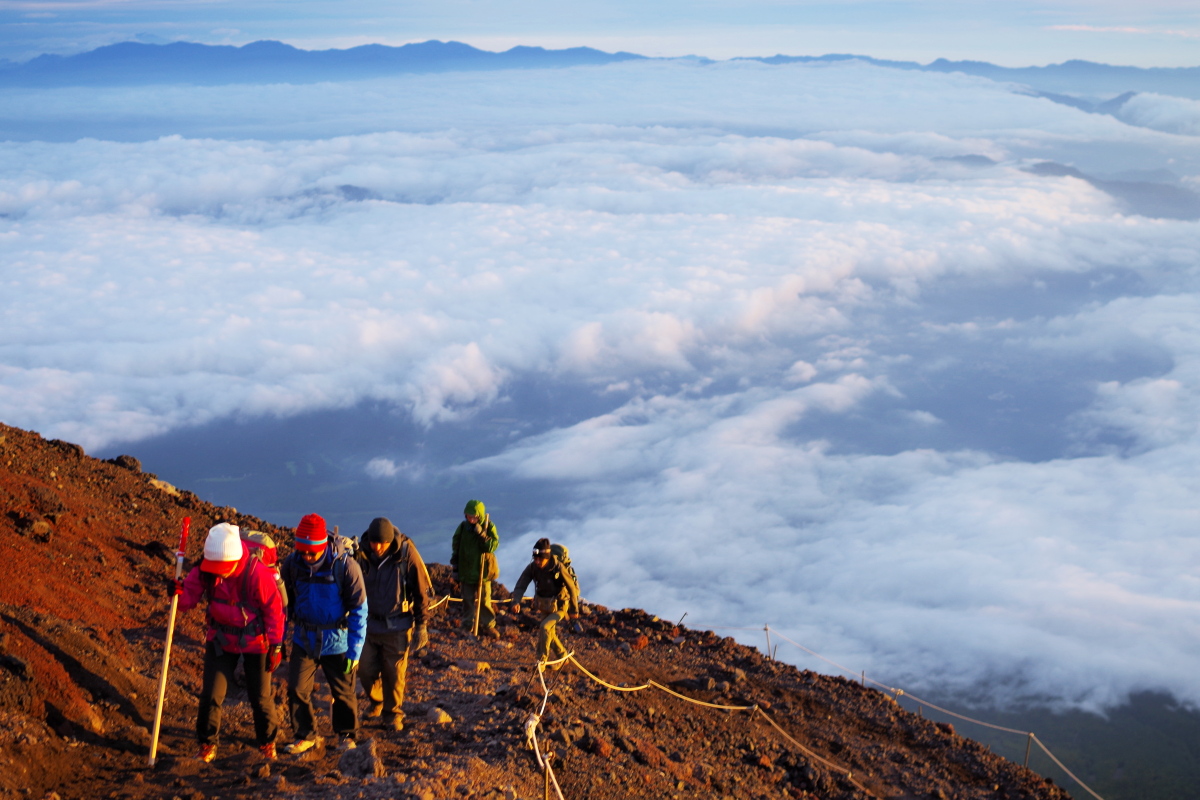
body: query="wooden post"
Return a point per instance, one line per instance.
(1028, 746)
(770, 653)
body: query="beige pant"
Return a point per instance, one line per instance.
(548, 641)
(385, 658)
(487, 618)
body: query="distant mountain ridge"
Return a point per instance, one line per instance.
(136, 63)
(1073, 76)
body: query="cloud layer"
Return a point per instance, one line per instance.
(860, 373)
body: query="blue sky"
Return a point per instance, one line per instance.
(1154, 33)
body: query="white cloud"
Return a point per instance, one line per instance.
(382, 468)
(933, 417)
(1160, 112)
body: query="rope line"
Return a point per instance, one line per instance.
(531, 732)
(1063, 767)
(443, 601)
(964, 718)
(534, 719)
(898, 692)
(656, 685)
(849, 775)
(606, 684)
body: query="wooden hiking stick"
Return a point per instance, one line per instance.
(478, 598)
(162, 680)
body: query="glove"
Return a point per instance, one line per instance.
(516, 608)
(422, 640)
(174, 587)
(274, 658)
(351, 665)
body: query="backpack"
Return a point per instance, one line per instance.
(242, 634)
(560, 552)
(262, 548)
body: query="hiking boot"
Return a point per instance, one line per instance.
(490, 633)
(375, 710)
(394, 722)
(268, 751)
(206, 753)
(301, 746)
(347, 743)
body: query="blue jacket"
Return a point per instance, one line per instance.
(327, 604)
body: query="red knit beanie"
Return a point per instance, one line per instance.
(311, 536)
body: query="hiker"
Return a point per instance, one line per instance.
(327, 603)
(474, 538)
(556, 596)
(398, 589)
(246, 622)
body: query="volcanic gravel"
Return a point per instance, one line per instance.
(88, 546)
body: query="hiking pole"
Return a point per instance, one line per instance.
(478, 599)
(162, 680)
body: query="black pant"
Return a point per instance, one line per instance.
(302, 672)
(218, 674)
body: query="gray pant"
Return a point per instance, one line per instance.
(487, 619)
(386, 655)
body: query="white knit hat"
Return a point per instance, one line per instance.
(223, 545)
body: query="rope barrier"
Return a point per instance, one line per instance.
(444, 600)
(1063, 767)
(900, 692)
(534, 719)
(531, 731)
(848, 774)
(608, 685)
(659, 686)
(811, 754)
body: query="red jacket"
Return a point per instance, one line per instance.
(245, 610)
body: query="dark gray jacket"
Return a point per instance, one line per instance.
(397, 583)
(552, 581)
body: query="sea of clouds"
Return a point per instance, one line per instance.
(826, 354)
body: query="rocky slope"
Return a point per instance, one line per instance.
(87, 546)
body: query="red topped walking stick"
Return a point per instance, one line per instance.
(162, 680)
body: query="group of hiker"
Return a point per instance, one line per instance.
(356, 612)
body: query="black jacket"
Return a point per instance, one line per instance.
(397, 585)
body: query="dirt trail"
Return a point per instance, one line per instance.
(87, 546)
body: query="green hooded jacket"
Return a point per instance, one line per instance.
(471, 542)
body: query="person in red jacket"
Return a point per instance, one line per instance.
(245, 622)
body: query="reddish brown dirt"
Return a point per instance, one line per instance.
(87, 546)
